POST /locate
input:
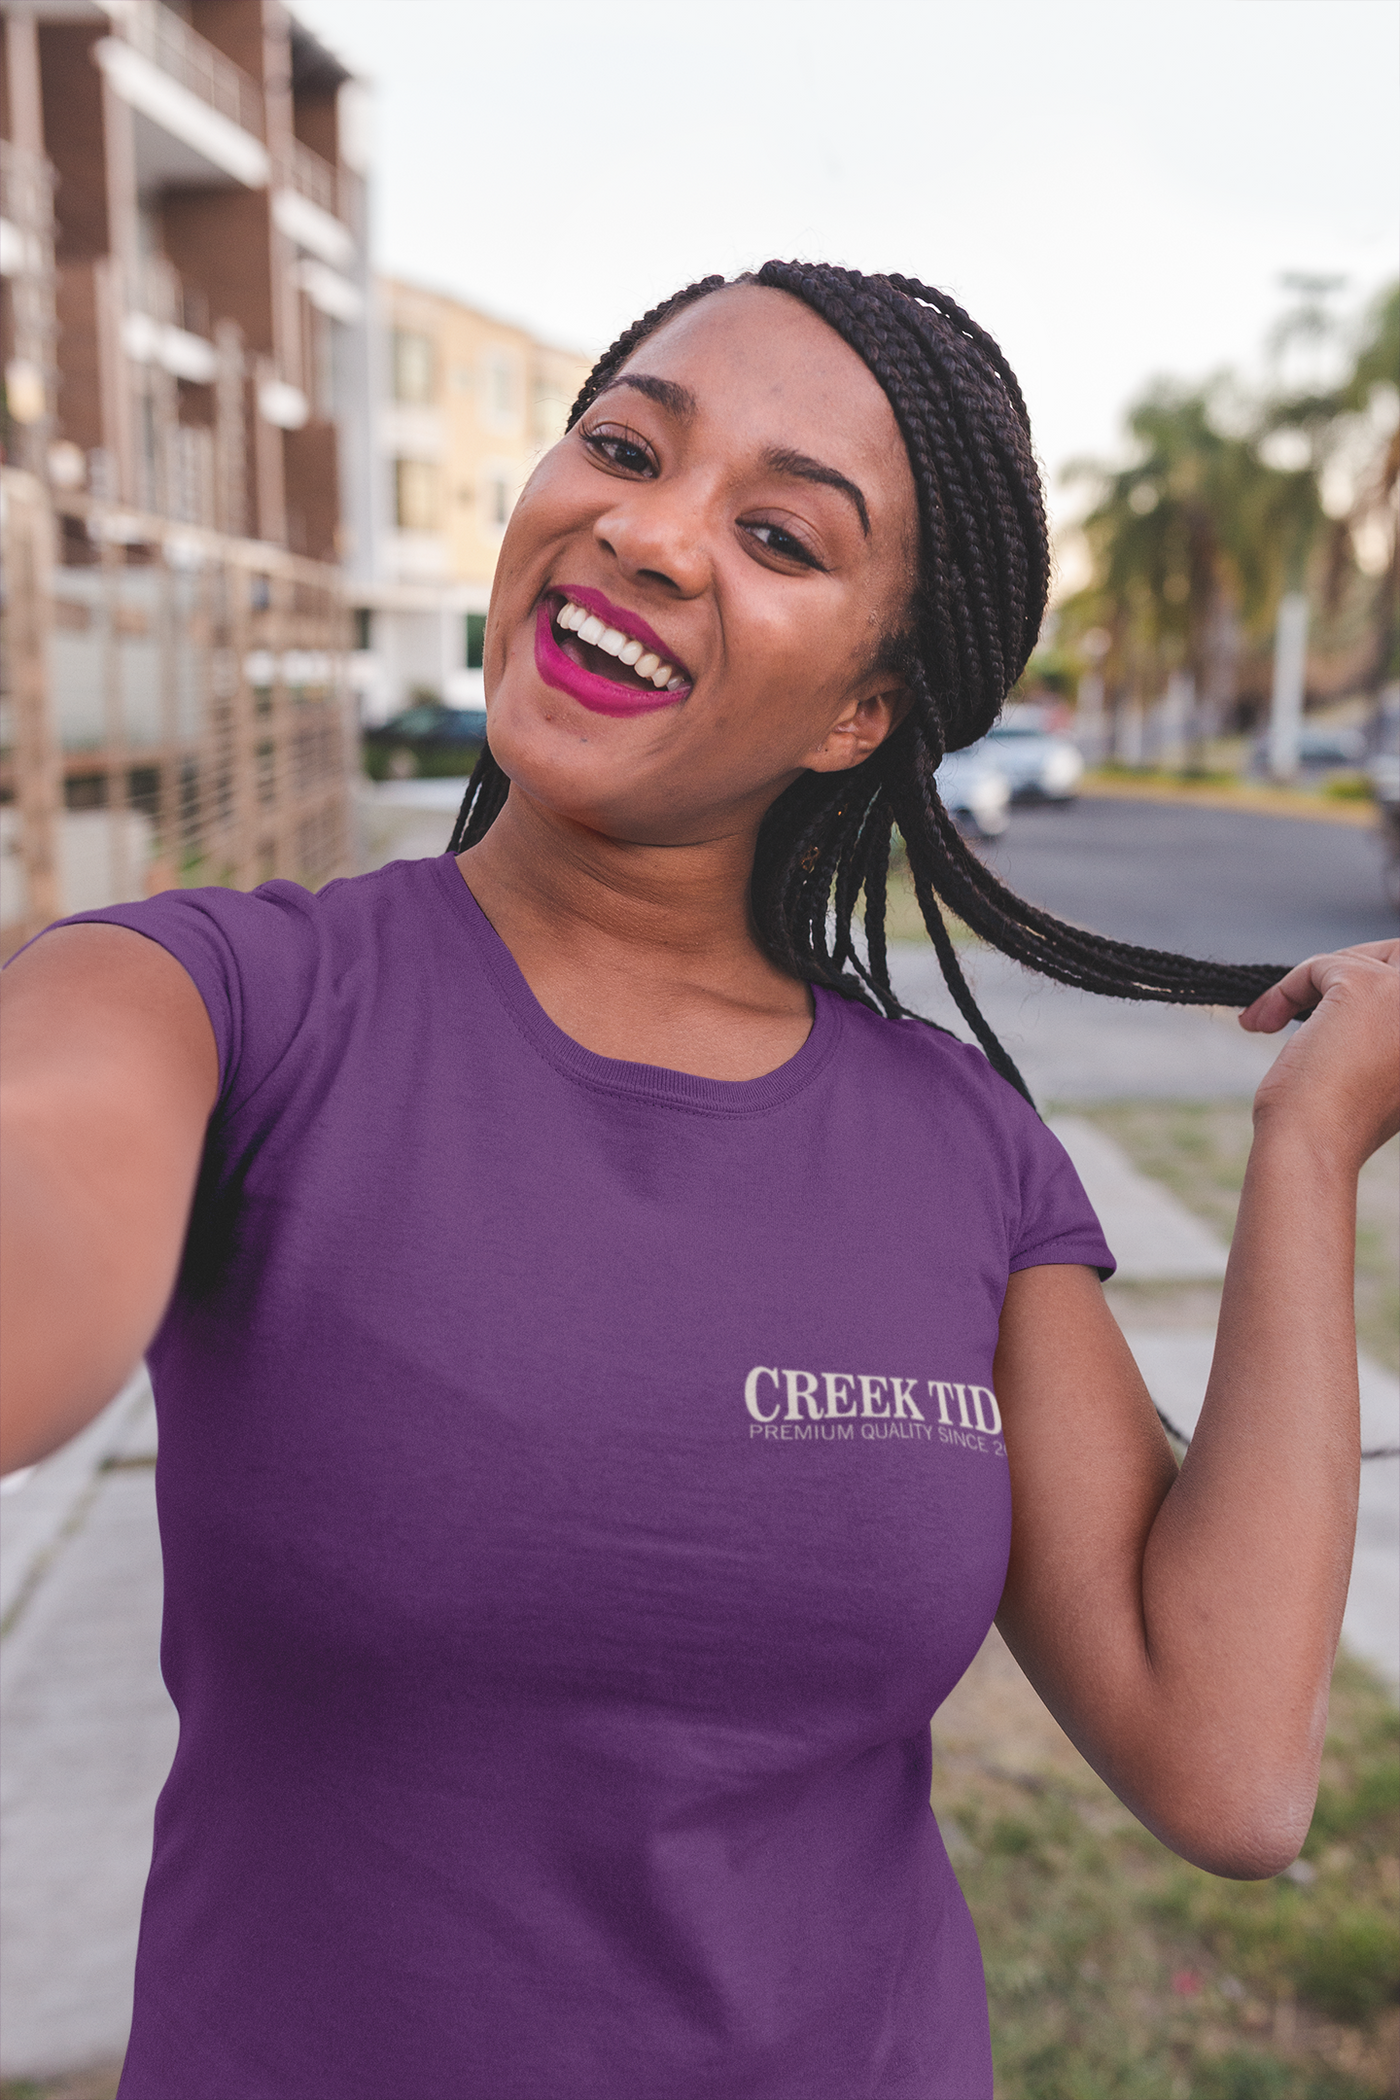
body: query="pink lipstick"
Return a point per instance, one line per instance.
(602, 695)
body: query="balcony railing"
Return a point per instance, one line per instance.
(314, 178)
(161, 36)
(26, 199)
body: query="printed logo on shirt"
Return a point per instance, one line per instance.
(843, 1407)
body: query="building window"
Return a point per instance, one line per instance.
(497, 502)
(413, 366)
(551, 412)
(415, 495)
(476, 641)
(364, 627)
(501, 392)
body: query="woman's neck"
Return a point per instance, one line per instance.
(639, 951)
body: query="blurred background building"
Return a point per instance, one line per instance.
(465, 405)
(188, 475)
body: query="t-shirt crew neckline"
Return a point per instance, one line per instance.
(655, 1083)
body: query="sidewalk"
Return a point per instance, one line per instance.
(1075, 1046)
(87, 1733)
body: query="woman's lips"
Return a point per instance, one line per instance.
(603, 696)
(614, 616)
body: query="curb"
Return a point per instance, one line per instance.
(1259, 802)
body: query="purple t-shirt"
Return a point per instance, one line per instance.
(579, 1484)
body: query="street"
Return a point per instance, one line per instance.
(1222, 883)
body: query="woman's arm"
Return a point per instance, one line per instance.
(1183, 1628)
(108, 1073)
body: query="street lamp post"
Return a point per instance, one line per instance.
(1290, 666)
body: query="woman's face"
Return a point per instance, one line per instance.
(737, 504)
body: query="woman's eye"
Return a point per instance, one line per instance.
(620, 448)
(784, 544)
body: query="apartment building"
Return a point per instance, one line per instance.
(188, 473)
(466, 405)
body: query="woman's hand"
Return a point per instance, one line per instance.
(1338, 1080)
(1183, 1628)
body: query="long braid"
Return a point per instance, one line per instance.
(481, 805)
(984, 576)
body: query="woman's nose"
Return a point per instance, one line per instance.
(658, 533)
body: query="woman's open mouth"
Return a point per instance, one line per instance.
(607, 659)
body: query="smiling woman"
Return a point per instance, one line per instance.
(942, 439)
(612, 1365)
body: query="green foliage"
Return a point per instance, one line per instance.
(1334, 1942)
(1200, 1150)
(1012, 1838)
(1242, 2076)
(1351, 1968)
(1370, 1800)
(1220, 509)
(1114, 1969)
(1197, 515)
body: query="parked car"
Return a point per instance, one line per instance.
(975, 791)
(1039, 766)
(1321, 751)
(426, 741)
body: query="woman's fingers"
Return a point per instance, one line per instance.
(1337, 1081)
(1295, 994)
(1305, 984)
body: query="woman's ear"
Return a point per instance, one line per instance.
(861, 728)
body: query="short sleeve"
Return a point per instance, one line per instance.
(1058, 1223)
(254, 958)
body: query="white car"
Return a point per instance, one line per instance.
(1039, 766)
(975, 791)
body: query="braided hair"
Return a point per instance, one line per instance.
(983, 578)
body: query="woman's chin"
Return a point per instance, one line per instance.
(570, 768)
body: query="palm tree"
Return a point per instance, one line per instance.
(1221, 511)
(1352, 438)
(1191, 544)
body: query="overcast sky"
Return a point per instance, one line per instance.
(1113, 187)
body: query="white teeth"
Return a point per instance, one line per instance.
(576, 619)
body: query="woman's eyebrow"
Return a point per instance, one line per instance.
(678, 399)
(781, 461)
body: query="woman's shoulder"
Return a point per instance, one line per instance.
(265, 961)
(279, 916)
(923, 1054)
(951, 1104)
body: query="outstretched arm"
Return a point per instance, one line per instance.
(1183, 1627)
(108, 1073)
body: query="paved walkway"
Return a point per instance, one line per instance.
(87, 1728)
(1074, 1046)
(87, 1733)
